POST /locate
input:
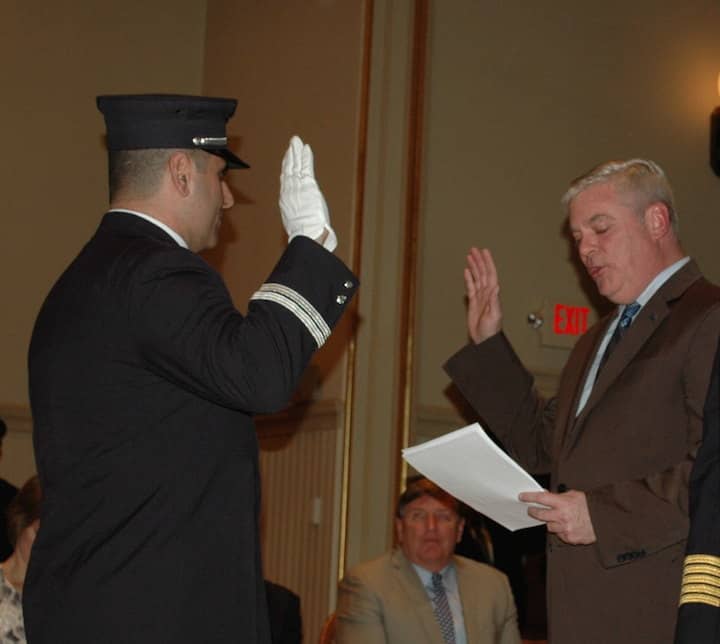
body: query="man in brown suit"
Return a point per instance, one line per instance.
(620, 437)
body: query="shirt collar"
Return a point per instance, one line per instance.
(660, 279)
(426, 576)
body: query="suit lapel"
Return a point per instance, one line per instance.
(417, 596)
(468, 597)
(578, 375)
(641, 330)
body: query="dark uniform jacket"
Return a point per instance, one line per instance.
(630, 450)
(699, 614)
(143, 381)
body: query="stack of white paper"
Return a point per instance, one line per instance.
(470, 466)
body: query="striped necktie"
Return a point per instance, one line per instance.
(629, 312)
(442, 609)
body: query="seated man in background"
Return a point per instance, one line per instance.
(421, 592)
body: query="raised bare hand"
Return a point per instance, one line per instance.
(484, 315)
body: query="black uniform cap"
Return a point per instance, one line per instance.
(150, 121)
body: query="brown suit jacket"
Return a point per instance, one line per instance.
(383, 602)
(630, 450)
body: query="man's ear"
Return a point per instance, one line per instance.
(461, 525)
(398, 530)
(657, 220)
(181, 168)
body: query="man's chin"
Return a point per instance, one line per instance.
(211, 242)
(433, 552)
(603, 288)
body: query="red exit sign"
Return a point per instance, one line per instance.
(570, 320)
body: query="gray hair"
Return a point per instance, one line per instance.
(642, 180)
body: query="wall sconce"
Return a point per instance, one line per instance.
(715, 137)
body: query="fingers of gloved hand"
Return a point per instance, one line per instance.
(307, 162)
(298, 151)
(291, 163)
(289, 174)
(286, 163)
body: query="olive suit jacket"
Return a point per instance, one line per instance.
(630, 450)
(143, 381)
(383, 602)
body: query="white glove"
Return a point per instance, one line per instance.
(302, 205)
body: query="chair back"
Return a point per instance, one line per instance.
(327, 634)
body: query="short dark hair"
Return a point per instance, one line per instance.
(24, 508)
(3, 429)
(419, 486)
(139, 172)
(135, 171)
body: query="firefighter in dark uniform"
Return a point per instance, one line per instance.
(699, 612)
(144, 378)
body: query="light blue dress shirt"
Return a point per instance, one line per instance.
(449, 575)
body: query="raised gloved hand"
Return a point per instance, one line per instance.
(302, 205)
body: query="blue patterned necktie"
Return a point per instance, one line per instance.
(442, 609)
(629, 312)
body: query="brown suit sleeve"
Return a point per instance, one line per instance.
(494, 381)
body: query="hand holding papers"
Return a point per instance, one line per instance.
(471, 467)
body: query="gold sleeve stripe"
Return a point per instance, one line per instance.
(710, 560)
(699, 598)
(701, 580)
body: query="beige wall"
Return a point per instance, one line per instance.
(56, 58)
(295, 68)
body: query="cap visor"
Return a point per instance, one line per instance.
(233, 162)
